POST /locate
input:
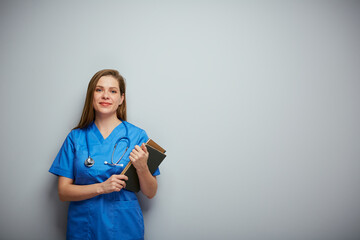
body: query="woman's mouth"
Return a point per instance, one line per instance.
(105, 104)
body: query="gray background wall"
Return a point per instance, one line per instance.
(256, 102)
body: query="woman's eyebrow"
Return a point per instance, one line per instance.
(99, 86)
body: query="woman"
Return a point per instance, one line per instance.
(100, 207)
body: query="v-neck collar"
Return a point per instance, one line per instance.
(100, 137)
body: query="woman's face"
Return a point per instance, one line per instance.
(107, 96)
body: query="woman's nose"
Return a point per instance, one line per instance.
(105, 95)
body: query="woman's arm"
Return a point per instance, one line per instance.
(68, 191)
(148, 182)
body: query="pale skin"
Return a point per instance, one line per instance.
(107, 98)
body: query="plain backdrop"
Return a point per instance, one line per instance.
(256, 103)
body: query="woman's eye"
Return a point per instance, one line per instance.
(98, 90)
(113, 91)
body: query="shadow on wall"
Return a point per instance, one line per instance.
(144, 202)
(59, 208)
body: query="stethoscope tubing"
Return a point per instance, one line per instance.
(89, 162)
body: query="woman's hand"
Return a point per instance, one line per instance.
(114, 183)
(139, 157)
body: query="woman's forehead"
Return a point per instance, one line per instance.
(108, 81)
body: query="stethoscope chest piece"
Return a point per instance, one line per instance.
(89, 162)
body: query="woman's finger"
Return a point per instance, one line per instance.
(134, 155)
(143, 146)
(138, 148)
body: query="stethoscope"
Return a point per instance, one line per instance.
(89, 162)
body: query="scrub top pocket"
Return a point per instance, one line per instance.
(78, 220)
(128, 219)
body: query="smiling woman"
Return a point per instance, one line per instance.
(107, 97)
(113, 81)
(95, 189)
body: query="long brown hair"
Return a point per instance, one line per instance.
(88, 114)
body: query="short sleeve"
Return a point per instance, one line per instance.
(143, 139)
(63, 163)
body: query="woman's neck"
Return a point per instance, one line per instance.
(106, 124)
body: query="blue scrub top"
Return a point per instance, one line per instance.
(115, 215)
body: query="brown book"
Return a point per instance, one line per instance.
(156, 156)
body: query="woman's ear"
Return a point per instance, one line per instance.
(122, 98)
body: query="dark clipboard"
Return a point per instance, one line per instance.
(156, 156)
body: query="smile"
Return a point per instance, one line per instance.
(105, 104)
